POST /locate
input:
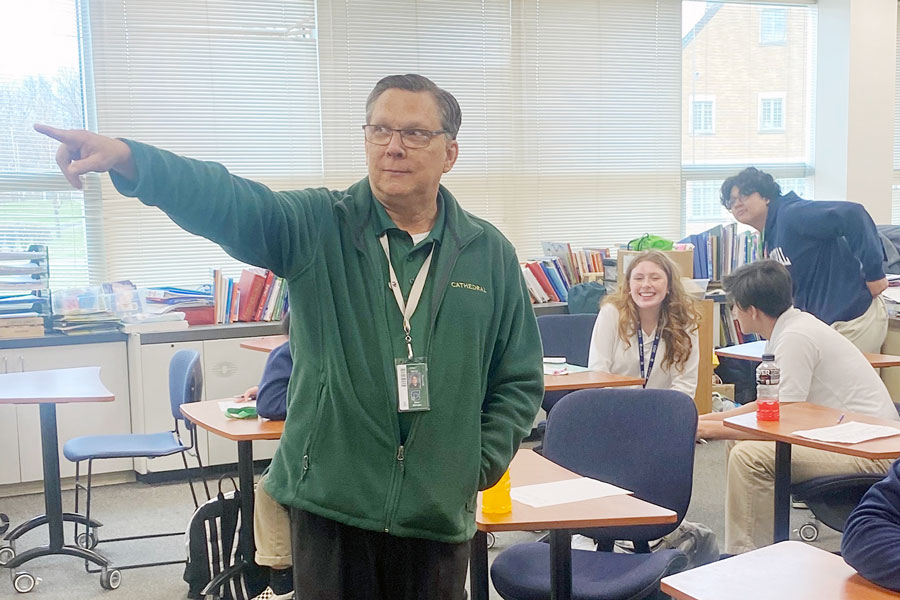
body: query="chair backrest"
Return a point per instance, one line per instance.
(639, 439)
(567, 335)
(185, 382)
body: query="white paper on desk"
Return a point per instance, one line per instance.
(226, 404)
(562, 368)
(565, 491)
(852, 432)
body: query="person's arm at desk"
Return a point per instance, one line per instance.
(871, 541)
(711, 427)
(271, 399)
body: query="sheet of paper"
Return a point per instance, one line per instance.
(852, 432)
(226, 404)
(563, 492)
(562, 368)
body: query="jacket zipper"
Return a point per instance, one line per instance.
(394, 492)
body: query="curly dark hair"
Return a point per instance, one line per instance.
(748, 181)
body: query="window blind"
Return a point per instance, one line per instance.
(223, 80)
(599, 122)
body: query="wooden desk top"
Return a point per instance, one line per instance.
(264, 344)
(529, 467)
(209, 416)
(588, 379)
(56, 386)
(796, 416)
(783, 571)
(754, 351)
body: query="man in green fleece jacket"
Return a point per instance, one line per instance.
(387, 279)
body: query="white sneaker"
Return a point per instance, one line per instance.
(268, 594)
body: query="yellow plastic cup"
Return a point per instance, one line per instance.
(496, 499)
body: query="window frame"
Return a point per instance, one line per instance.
(704, 98)
(781, 25)
(763, 97)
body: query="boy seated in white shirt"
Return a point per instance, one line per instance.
(817, 365)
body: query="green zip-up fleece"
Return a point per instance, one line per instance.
(341, 454)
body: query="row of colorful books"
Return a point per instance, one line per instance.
(258, 295)
(549, 277)
(730, 332)
(721, 250)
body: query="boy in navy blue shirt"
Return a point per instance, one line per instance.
(831, 249)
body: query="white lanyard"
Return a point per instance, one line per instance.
(415, 293)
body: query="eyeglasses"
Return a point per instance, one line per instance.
(410, 138)
(730, 202)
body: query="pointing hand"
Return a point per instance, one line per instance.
(83, 152)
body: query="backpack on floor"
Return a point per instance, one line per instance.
(213, 548)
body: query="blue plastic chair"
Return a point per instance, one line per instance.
(185, 385)
(568, 336)
(641, 440)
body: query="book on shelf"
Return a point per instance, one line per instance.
(565, 260)
(722, 249)
(264, 297)
(250, 287)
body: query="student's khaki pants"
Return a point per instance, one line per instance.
(867, 331)
(750, 492)
(271, 530)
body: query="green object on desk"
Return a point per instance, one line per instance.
(244, 412)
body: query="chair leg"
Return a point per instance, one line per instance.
(77, 488)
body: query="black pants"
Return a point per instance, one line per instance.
(333, 561)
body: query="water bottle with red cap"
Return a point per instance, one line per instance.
(768, 376)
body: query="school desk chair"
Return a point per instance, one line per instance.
(185, 385)
(568, 336)
(641, 440)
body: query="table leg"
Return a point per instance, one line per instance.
(782, 491)
(478, 567)
(560, 564)
(52, 488)
(245, 480)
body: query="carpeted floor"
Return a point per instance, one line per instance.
(133, 508)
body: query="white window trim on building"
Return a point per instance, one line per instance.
(772, 41)
(712, 128)
(762, 97)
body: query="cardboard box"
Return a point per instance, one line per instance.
(726, 389)
(683, 259)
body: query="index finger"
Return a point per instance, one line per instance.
(60, 135)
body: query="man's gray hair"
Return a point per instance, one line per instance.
(451, 115)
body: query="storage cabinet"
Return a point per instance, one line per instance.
(23, 427)
(227, 370)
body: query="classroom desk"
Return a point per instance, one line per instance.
(796, 416)
(47, 389)
(209, 416)
(265, 343)
(783, 571)
(528, 468)
(588, 379)
(754, 351)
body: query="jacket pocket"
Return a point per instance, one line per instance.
(310, 445)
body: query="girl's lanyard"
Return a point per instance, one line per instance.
(415, 293)
(640, 335)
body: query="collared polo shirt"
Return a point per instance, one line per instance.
(407, 258)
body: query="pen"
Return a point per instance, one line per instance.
(841, 418)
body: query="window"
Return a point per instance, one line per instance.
(42, 83)
(771, 112)
(721, 57)
(703, 115)
(773, 26)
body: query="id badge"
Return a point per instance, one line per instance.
(412, 385)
